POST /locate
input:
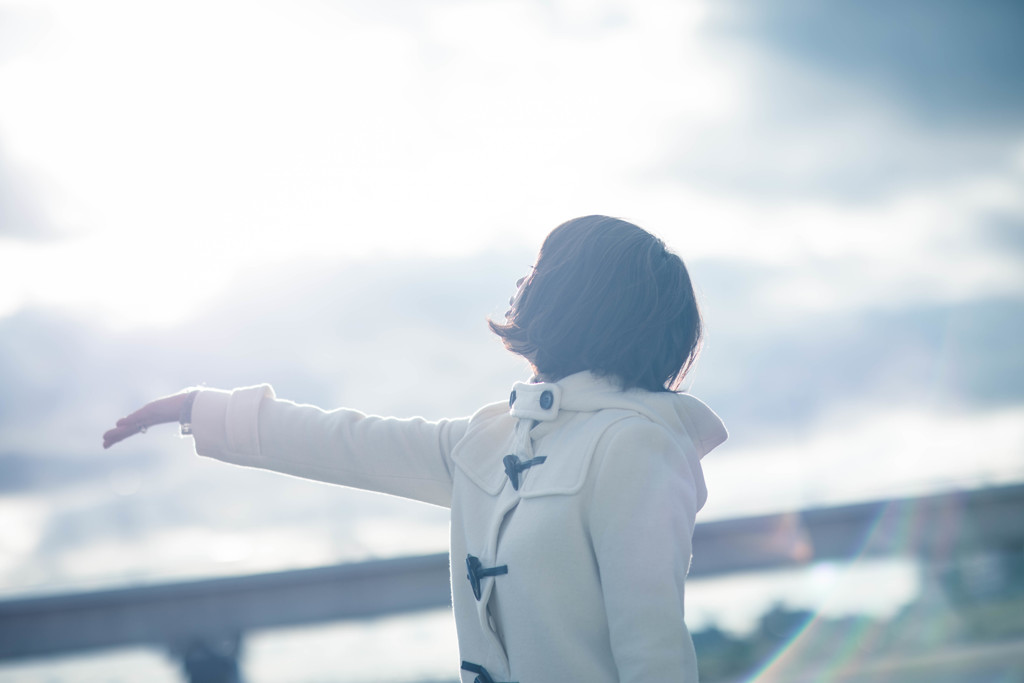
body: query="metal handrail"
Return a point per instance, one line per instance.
(185, 615)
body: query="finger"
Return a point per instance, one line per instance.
(115, 435)
(162, 410)
(122, 432)
(136, 418)
(155, 412)
(136, 422)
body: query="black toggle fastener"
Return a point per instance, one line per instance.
(513, 466)
(482, 676)
(476, 571)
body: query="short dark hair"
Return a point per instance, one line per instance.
(608, 297)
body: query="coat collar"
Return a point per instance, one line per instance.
(540, 409)
(542, 401)
(567, 451)
(534, 410)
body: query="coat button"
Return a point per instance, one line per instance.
(512, 398)
(475, 571)
(513, 466)
(546, 399)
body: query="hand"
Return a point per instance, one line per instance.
(166, 409)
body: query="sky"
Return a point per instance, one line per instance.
(334, 196)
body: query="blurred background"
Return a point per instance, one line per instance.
(334, 196)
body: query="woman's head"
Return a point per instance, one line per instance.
(608, 297)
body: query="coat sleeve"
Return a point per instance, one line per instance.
(641, 516)
(408, 458)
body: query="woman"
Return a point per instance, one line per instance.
(572, 504)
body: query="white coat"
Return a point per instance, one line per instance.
(580, 543)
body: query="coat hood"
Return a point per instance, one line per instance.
(587, 392)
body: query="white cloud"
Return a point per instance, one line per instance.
(188, 151)
(867, 453)
(132, 664)
(356, 651)
(879, 588)
(929, 246)
(267, 133)
(24, 518)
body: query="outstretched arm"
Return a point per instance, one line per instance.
(250, 427)
(160, 411)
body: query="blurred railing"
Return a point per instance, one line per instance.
(203, 622)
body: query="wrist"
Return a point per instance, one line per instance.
(185, 413)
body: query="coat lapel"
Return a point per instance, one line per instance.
(479, 454)
(569, 452)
